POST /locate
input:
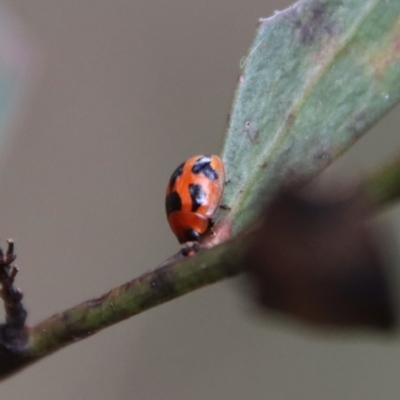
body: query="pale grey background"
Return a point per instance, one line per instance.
(128, 90)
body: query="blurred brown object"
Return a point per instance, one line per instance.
(317, 260)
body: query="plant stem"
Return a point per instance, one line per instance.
(174, 278)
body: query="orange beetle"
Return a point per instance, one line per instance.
(193, 195)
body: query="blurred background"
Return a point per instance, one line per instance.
(117, 94)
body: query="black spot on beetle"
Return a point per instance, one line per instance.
(203, 166)
(176, 174)
(173, 203)
(191, 235)
(197, 195)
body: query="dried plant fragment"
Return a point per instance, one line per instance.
(317, 260)
(12, 333)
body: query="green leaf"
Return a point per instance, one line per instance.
(317, 76)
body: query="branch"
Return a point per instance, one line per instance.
(174, 278)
